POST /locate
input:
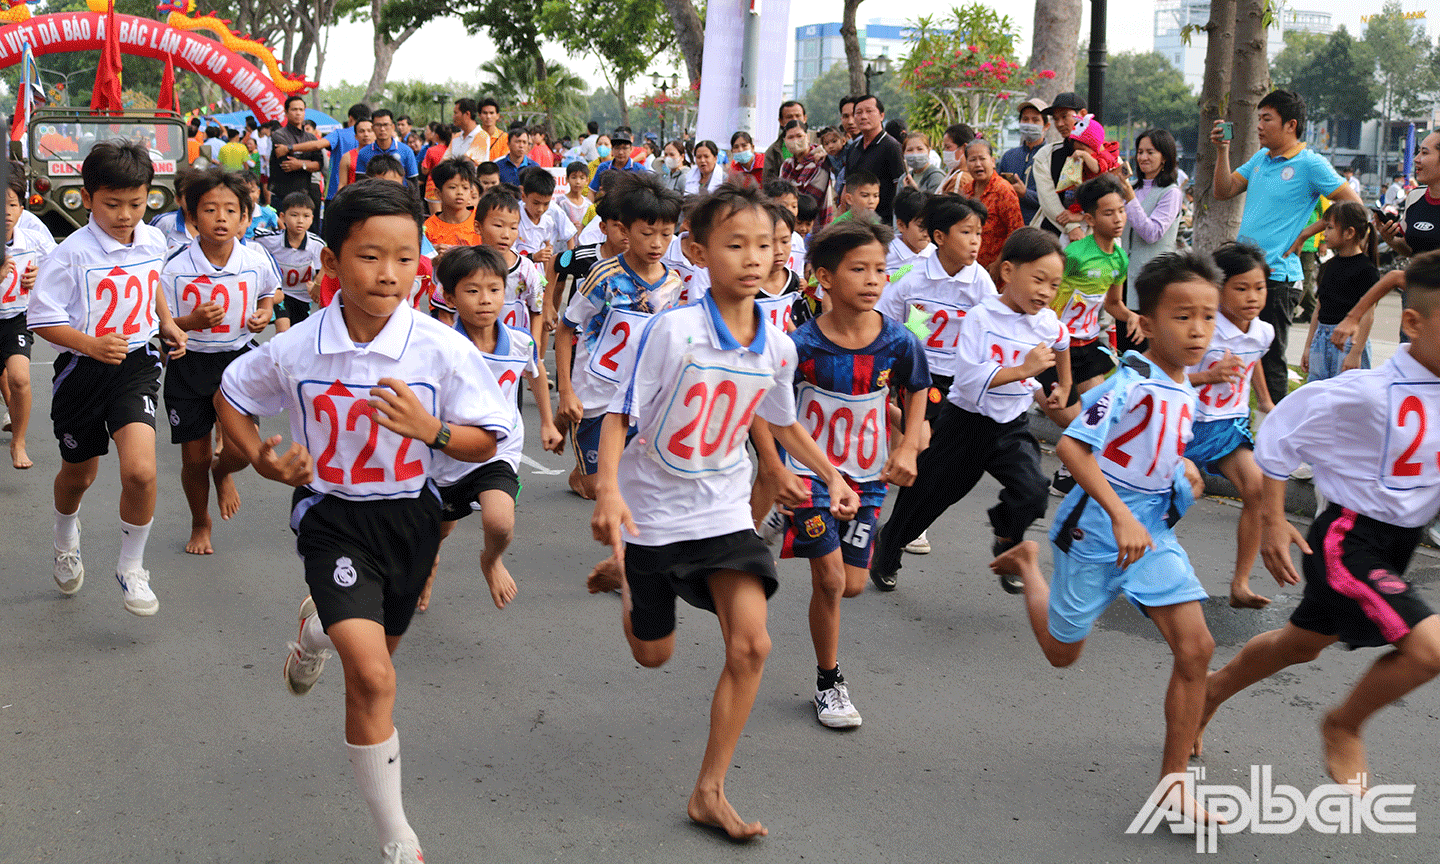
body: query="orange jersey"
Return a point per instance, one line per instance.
(443, 233)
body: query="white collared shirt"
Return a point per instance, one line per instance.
(1372, 436)
(514, 358)
(176, 230)
(899, 255)
(462, 145)
(943, 298)
(591, 234)
(99, 285)
(1224, 401)
(299, 265)
(524, 293)
(189, 280)
(24, 251)
(692, 390)
(324, 379)
(554, 227)
(992, 337)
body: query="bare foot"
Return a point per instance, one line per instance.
(579, 486)
(200, 540)
(226, 495)
(1344, 755)
(1241, 597)
(502, 585)
(1176, 800)
(424, 602)
(18, 457)
(1020, 559)
(1210, 709)
(711, 808)
(605, 576)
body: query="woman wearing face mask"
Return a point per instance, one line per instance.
(706, 176)
(919, 173)
(671, 167)
(952, 157)
(1152, 211)
(602, 146)
(807, 169)
(746, 166)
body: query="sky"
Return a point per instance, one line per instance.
(1131, 23)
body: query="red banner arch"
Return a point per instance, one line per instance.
(145, 37)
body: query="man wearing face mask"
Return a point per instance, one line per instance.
(1016, 165)
(620, 149)
(1049, 161)
(777, 153)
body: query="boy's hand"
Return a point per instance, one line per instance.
(207, 315)
(1228, 369)
(551, 438)
(110, 349)
(398, 409)
(294, 467)
(7, 268)
(1192, 475)
(570, 411)
(844, 503)
(442, 248)
(543, 254)
(1131, 539)
(1344, 332)
(549, 317)
(611, 516)
(1059, 397)
(27, 280)
(1275, 540)
(1132, 328)
(258, 321)
(900, 467)
(790, 490)
(172, 333)
(1352, 361)
(1040, 358)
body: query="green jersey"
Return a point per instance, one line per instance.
(1089, 273)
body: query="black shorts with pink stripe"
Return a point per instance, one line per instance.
(1355, 587)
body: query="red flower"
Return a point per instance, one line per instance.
(1047, 74)
(974, 49)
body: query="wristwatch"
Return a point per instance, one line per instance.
(442, 438)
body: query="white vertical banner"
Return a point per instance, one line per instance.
(775, 36)
(720, 73)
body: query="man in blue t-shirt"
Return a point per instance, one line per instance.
(383, 122)
(515, 161)
(1283, 180)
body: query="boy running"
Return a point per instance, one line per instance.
(24, 248)
(297, 253)
(375, 388)
(97, 300)
(685, 476)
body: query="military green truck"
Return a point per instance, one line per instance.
(59, 140)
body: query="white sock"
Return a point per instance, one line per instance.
(313, 636)
(67, 530)
(377, 770)
(132, 546)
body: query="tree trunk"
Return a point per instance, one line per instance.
(385, 49)
(1249, 79)
(690, 33)
(1215, 221)
(1057, 39)
(624, 103)
(850, 34)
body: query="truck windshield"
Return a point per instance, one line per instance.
(64, 144)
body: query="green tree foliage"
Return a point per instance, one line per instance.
(625, 36)
(524, 95)
(1333, 74)
(822, 101)
(415, 98)
(1292, 67)
(1142, 91)
(1405, 73)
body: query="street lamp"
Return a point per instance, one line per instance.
(441, 97)
(664, 85)
(874, 69)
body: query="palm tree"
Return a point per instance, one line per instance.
(559, 98)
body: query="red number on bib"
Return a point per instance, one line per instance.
(324, 405)
(727, 435)
(608, 358)
(871, 423)
(677, 444)
(938, 321)
(405, 470)
(508, 378)
(103, 328)
(1113, 451)
(361, 471)
(726, 389)
(1404, 467)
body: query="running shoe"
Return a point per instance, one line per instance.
(834, 709)
(6, 426)
(139, 599)
(772, 527)
(302, 666)
(1304, 472)
(883, 581)
(402, 852)
(69, 571)
(919, 546)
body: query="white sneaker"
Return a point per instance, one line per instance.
(1304, 472)
(302, 667)
(919, 546)
(833, 708)
(139, 599)
(6, 426)
(69, 571)
(402, 852)
(772, 527)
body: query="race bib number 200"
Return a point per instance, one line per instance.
(850, 430)
(707, 417)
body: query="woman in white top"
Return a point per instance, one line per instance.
(707, 175)
(1152, 210)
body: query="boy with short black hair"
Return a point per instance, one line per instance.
(386, 167)
(1114, 533)
(296, 251)
(688, 502)
(1359, 547)
(807, 210)
(860, 196)
(221, 291)
(497, 218)
(544, 230)
(376, 388)
(25, 247)
(488, 175)
(573, 265)
(911, 240)
(454, 225)
(96, 300)
(1095, 270)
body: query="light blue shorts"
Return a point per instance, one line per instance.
(1081, 590)
(1216, 439)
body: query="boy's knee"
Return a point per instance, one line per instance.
(372, 680)
(1194, 652)
(498, 530)
(748, 650)
(652, 655)
(137, 476)
(854, 590)
(19, 385)
(828, 582)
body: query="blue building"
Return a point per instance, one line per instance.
(819, 47)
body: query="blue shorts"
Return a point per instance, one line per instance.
(1081, 590)
(585, 436)
(1216, 439)
(813, 532)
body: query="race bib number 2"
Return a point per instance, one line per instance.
(850, 430)
(1412, 441)
(614, 353)
(703, 426)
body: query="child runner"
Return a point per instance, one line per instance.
(695, 278)
(96, 300)
(573, 265)
(297, 254)
(608, 313)
(849, 359)
(685, 494)
(1375, 459)
(860, 197)
(220, 291)
(910, 241)
(454, 225)
(488, 173)
(25, 247)
(375, 388)
(498, 218)
(574, 203)
(1006, 341)
(1347, 276)
(1114, 534)
(473, 279)
(544, 230)
(780, 299)
(1223, 442)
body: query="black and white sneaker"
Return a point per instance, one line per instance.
(834, 709)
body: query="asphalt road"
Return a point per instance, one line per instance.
(530, 735)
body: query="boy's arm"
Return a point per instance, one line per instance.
(790, 490)
(611, 513)
(1262, 390)
(570, 410)
(798, 443)
(1347, 328)
(1131, 539)
(294, 467)
(399, 410)
(1276, 533)
(169, 330)
(1116, 308)
(551, 438)
(1040, 358)
(1059, 397)
(1357, 345)
(110, 348)
(900, 467)
(264, 311)
(1227, 183)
